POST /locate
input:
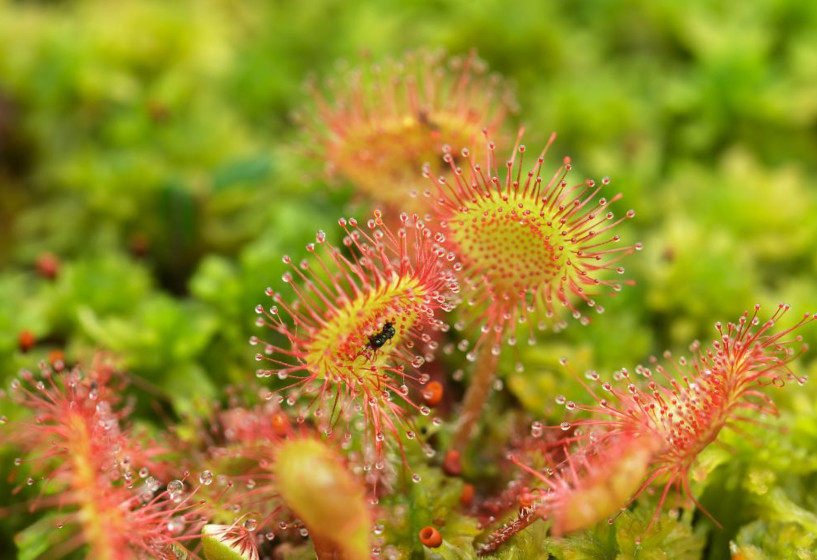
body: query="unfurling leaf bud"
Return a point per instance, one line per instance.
(315, 484)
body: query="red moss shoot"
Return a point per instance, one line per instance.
(467, 496)
(430, 537)
(362, 324)
(47, 266)
(452, 463)
(26, 340)
(57, 359)
(100, 480)
(433, 393)
(526, 243)
(685, 410)
(380, 125)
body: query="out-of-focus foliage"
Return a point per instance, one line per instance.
(628, 540)
(149, 146)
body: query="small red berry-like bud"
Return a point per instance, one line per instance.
(139, 245)
(526, 498)
(452, 464)
(48, 265)
(280, 424)
(467, 496)
(431, 537)
(159, 112)
(433, 393)
(26, 340)
(57, 359)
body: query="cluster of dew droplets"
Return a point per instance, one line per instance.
(149, 487)
(175, 490)
(206, 477)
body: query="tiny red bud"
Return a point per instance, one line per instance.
(526, 499)
(433, 393)
(48, 266)
(26, 340)
(452, 464)
(280, 424)
(56, 358)
(139, 245)
(430, 537)
(467, 496)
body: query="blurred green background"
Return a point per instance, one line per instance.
(149, 147)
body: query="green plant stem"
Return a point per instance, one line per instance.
(475, 396)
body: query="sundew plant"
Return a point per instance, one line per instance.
(444, 281)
